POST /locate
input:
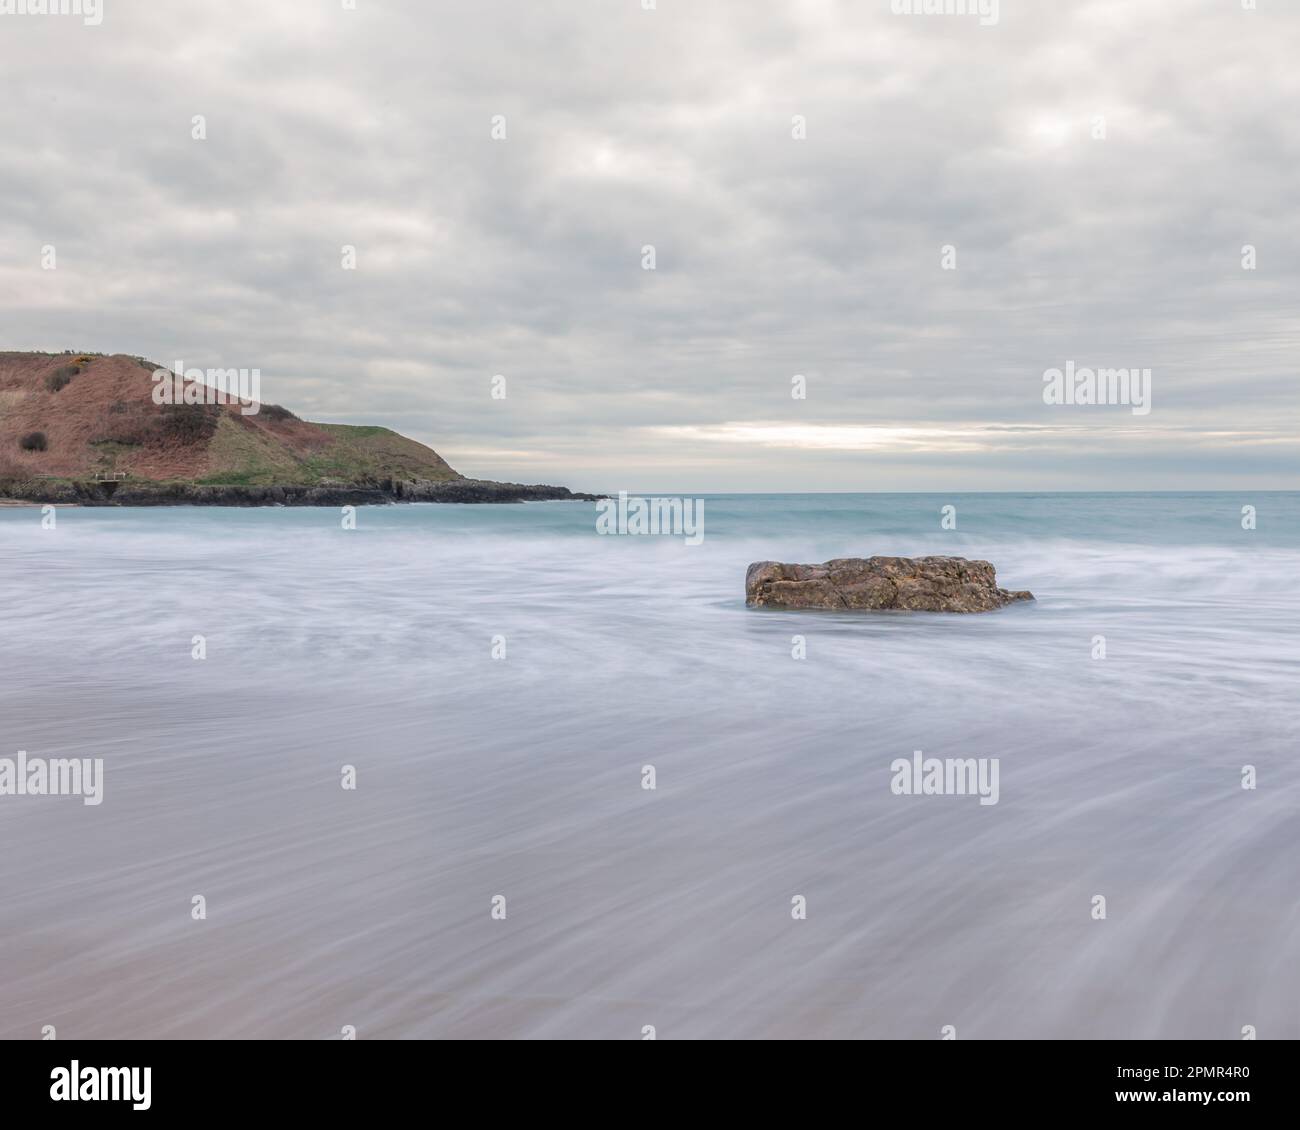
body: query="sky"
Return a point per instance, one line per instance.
(1095, 167)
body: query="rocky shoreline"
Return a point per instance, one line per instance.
(129, 493)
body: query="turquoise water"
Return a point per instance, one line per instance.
(1162, 518)
(521, 775)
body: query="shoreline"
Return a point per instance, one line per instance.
(140, 494)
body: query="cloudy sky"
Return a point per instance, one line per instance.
(774, 255)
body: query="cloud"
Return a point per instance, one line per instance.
(774, 256)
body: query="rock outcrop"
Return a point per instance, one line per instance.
(916, 584)
(135, 493)
(482, 490)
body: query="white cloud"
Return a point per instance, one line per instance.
(672, 128)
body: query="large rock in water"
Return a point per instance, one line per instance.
(917, 584)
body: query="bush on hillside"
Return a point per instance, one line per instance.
(61, 377)
(186, 423)
(33, 441)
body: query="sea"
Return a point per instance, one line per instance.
(395, 780)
